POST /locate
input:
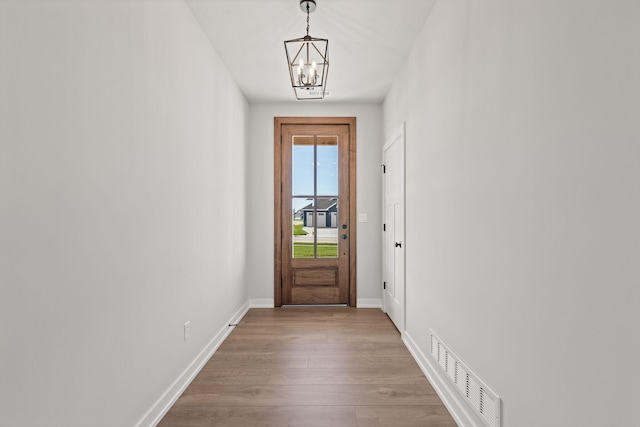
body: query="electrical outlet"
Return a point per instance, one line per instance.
(187, 330)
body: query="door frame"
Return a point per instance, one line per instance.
(277, 196)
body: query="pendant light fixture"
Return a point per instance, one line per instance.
(308, 61)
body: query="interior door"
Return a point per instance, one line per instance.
(393, 241)
(314, 249)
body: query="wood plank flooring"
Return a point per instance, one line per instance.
(310, 366)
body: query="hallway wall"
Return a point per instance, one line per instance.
(122, 206)
(523, 201)
(260, 192)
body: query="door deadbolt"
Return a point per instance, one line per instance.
(344, 237)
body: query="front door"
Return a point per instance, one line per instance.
(315, 172)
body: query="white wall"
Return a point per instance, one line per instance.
(122, 203)
(523, 201)
(260, 191)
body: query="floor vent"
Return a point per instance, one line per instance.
(476, 393)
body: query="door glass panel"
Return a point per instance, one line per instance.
(303, 228)
(303, 166)
(327, 165)
(315, 219)
(326, 228)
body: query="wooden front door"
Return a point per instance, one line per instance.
(315, 211)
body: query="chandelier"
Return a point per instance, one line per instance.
(308, 61)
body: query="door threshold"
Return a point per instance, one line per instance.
(315, 305)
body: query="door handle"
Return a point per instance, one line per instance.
(398, 244)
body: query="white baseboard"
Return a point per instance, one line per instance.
(369, 303)
(461, 412)
(261, 303)
(169, 397)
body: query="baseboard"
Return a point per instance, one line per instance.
(169, 397)
(369, 303)
(461, 412)
(261, 303)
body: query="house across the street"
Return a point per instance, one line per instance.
(326, 214)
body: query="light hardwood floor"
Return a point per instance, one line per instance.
(311, 366)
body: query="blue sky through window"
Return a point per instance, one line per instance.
(327, 172)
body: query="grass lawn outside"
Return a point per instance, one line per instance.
(298, 231)
(305, 250)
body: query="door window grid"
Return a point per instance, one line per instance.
(315, 216)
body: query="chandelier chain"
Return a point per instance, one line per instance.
(307, 18)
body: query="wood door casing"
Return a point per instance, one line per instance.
(315, 273)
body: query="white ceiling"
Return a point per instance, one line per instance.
(368, 42)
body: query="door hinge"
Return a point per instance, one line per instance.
(384, 285)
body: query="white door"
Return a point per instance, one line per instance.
(394, 245)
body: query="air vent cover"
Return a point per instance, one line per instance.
(485, 402)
